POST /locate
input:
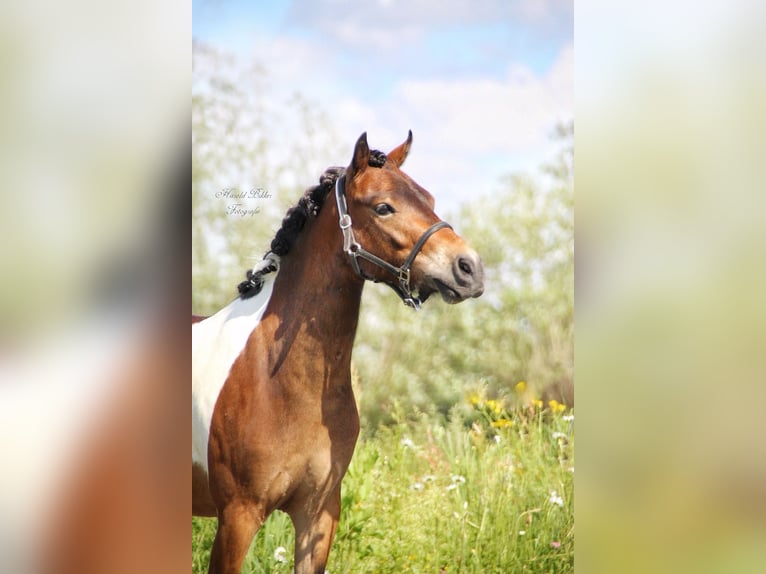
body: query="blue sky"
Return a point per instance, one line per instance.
(481, 84)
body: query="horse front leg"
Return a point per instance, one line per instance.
(314, 533)
(237, 524)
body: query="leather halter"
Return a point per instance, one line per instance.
(355, 251)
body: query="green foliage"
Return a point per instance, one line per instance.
(422, 497)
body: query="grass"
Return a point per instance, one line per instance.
(423, 497)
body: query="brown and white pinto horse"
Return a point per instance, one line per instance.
(274, 416)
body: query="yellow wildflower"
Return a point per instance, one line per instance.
(474, 399)
(495, 406)
(556, 406)
(538, 403)
(521, 386)
(502, 423)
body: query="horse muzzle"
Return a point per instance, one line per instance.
(462, 279)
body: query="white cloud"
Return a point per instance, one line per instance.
(421, 14)
(481, 115)
(373, 39)
(542, 10)
(390, 30)
(468, 132)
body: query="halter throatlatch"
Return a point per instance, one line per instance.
(355, 251)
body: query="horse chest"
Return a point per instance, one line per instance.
(309, 477)
(314, 451)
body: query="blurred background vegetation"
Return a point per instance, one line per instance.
(405, 364)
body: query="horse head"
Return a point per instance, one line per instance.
(396, 237)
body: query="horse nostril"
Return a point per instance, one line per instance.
(465, 266)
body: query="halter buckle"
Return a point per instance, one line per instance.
(404, 278)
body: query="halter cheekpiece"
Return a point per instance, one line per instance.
(355, 250)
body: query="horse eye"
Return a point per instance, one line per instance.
(384, 209)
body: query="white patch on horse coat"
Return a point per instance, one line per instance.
(216, 343)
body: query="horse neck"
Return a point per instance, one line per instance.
(317, 295)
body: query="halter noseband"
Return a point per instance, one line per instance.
(355, 251)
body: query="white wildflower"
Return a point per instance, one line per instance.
(407, 443)
(417, 486)
(429, 478)
(556, 499)
(568, 418)
(451, 487)
(522, 532)
(558, 435)
(457, 479)
(280, 554)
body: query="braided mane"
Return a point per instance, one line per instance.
(295, 219)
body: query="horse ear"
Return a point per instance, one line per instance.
(400, 153)
(361, 156)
